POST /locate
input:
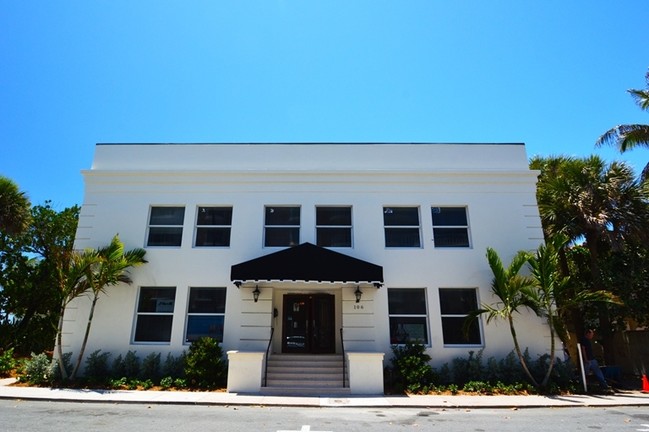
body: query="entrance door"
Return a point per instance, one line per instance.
(308, 324)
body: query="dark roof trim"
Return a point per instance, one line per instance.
(314, 143)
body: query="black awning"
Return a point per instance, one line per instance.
(307, 262)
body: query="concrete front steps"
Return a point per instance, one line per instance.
(305, 375)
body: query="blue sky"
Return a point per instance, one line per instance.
(552, 74)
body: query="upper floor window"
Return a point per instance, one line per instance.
(166, 226)
(213, 226)
(408, 315)
(450, 227)
(401, 227)
(455, 304)
(281, 226)
(334, 226)
(205, 313)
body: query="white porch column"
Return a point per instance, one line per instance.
(245, 371)
(365, 372)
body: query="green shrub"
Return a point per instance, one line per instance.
(39, 370)
(127, 366)
(480, 387)
(505, 376)
(97, 367)
(180, 383)
(67, 364)
(204, 365)
(166, 382)
(174, 366)
(118, 383)
(468, 369)
(410, 369)
(151, 367)
(132, 384)
(7, 362)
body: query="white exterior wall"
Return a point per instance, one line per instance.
(492, 181)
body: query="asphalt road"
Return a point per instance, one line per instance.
(38, 416)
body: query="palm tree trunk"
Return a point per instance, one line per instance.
(521, 358)
(548, 373)
(85, 337)
(604, 321)
(59, 341)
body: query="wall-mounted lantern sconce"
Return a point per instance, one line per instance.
(255, 293)
(358, 293)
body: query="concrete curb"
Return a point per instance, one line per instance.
(7, 391)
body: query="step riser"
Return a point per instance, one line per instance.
(299, 374)
(294, 369)
(306, 377)
(303, 384)
(275, 391)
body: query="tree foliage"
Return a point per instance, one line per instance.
(603, 210)
(512, 289)
(102, 268)
(535, 281)
(629, 136)
(14, 208)
(31, 266)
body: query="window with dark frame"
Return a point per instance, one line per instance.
(455, 306)
(155, 312)
(401, 226)
(213, 226)
(205, 313)
(281, 226)
(450, 227)
(334, 226)
(166, 226)
(408, 315)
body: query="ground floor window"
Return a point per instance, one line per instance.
(455, 305)
(205, 313)
(155, 313)
(408, 315)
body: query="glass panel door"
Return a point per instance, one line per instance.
(308, 324)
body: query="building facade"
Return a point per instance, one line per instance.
(326, 247)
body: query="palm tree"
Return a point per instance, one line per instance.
(14, 208)
(629, 136)
(550, 285)
(109, 267)
(513, 292)
(73, 283)
(602, 205)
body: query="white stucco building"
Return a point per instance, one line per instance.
(307, 228)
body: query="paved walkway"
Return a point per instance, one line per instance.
(7, 391)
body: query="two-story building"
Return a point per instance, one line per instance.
(294, 252)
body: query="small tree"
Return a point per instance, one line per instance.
(72, 284)
(109, 267)
(511, 288)
(546, 292)
(550, 285)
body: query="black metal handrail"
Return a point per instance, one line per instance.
(270, 341)
(342, 345)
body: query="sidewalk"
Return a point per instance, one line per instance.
(220, 398)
